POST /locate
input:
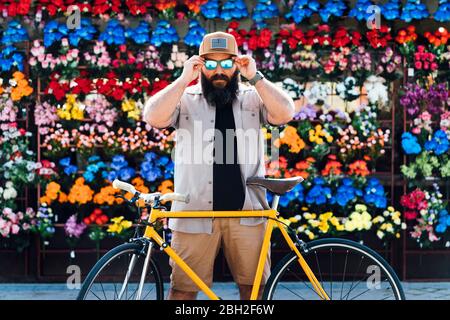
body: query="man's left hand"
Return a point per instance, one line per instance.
(246, 65)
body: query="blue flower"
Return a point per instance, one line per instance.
(119, 162)
(443, 221)
(210, 10)
(374, 194)
(88, 176)
(164, 33)
(112, 175)
(92, 168)
(391, 10)
(295, 194)
(126, 174)
(93, 158)
(332, 8)
(54, 31)
(346, 193)
(318, 194)
(152, 174)
(70, 169)
(234, 9)
(86, 31)
(140, 34)
(161, 161)
(264, 9)
(150, 156)
(14, 33)
(64, 161)
(10, 58)
(414, 9)
(113, 34)
(360, 10)
(442, 14)
(410, 144)
(439, 144)
(195, 34)
(303, 9)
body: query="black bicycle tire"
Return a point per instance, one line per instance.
(286, 260)
(109, 256)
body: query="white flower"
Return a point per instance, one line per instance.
(377, 92)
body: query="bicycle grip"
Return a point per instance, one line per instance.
(178, 197)
(117, 184)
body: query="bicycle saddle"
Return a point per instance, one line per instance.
(277, 186)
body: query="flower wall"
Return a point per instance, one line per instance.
(82, 90)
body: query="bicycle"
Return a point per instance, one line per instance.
(141, 277)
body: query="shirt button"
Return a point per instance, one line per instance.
(212, 121)
(209, 202)
(253, 114)
(209, 182)
(187, 118)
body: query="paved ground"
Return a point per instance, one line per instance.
(228, 291)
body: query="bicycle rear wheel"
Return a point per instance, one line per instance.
(107, 280)
(346, 270)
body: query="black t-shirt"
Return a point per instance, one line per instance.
(228, 190)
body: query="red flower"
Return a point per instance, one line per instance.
(411, 215)
(233, 25)
(159, 85)
(21, 7)
(378, 38)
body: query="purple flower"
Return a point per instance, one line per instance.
(72, 228)
(307, 112)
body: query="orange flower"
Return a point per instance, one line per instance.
(332, 167)
(80, 193)
(22, 89)
(107, 195)
(166, 186)
(290, 137)
(359, 167)
(52, 191)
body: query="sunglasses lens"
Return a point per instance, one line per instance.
(227, 64)
(210, 64)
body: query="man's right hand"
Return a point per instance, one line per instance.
(191, 68)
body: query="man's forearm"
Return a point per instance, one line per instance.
(279, 104)
(160, 107)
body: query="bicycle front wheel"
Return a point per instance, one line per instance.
(116, 276)
(346, 270)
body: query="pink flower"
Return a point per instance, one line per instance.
(416, 130)
(15, 229)
(426, 116)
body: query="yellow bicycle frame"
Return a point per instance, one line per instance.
(271, 214)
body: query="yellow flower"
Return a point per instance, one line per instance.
(314, 223)
(131, 108)
(324, 227)
(117, 219)
(118, 225)
(126, 224)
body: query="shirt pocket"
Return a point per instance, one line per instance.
(251, 117)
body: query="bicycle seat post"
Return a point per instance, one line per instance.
(275, 201)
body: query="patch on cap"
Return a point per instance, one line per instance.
(219, 43)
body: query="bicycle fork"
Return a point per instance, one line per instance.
(303, 264)
(143, 275)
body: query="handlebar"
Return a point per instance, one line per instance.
(150, 197)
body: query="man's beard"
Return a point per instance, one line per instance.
(220, 97)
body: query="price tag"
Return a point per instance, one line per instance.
(410, 72)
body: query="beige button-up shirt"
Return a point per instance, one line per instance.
(194, 120)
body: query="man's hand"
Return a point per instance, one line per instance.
(191, 68)
(246, 65)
